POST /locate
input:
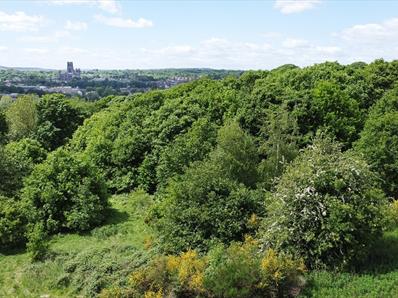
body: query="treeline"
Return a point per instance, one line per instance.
(256, 178)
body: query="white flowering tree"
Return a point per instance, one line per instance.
(327, 207)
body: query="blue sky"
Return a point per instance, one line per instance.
(233, 34)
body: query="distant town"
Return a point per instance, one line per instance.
(94, 84)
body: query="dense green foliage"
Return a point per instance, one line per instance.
(13, 221)
(57, 120)
(17, 161)
(212, 201)
(126, 139)
(65, 193)
(3, 127)
(23, 156)
(22, 117)
(297, 161)
(379, 141)
(327, 207)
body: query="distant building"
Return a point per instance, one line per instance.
(70, 72)
(69, 67)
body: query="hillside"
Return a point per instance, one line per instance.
(276, 183)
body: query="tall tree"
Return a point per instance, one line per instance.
(22, 117)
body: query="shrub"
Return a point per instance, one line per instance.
(212, 201)
(27, 153)
(21, 157)
(181, 275)
(13, 220)
(240, 270)
(66, 193)
(37, 241)
(327, 207)
(202, 208)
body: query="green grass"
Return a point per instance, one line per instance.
(82, 264)
(377, 277)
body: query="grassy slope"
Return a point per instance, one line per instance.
(378, 277)
(125, 230)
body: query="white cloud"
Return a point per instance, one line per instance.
(124, 23)
(3, 48)
(37, 51)
(295, 6)
(111, 6)
(292, 43)
(50, 38)
(386, 30)
(329, 50)
(72, 51)
(369, 41)
(171, 50)
(75, 26)
(20, 22)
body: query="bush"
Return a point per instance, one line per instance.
(203, 208)
(212, 201)
(181, 275)
(17, 160)
(327, 207)
(26, 152)
(66, 193)
(239, 270)
(13, 220)
(21, 157)
(37, 241)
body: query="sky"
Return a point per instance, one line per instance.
(228, 34)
